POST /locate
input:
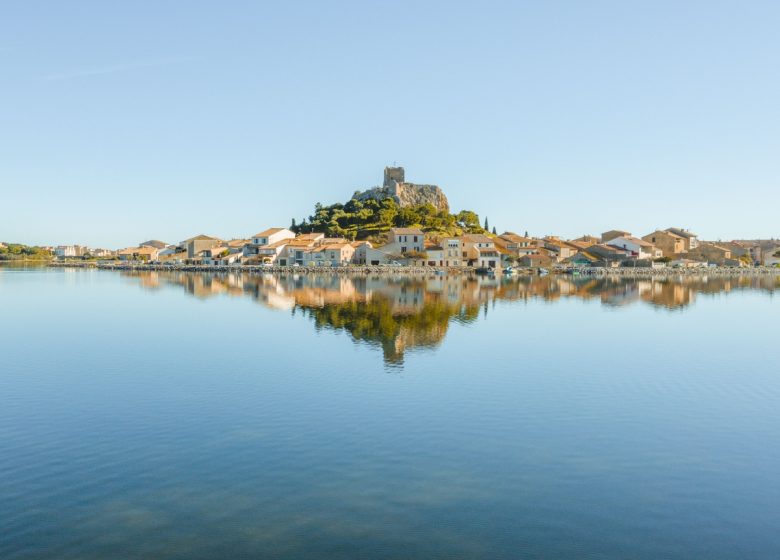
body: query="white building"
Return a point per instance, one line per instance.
(272, 236)
(638, 248)
(68, 251)
(401, 241)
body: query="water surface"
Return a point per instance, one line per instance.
(165, 415)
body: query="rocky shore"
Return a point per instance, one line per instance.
(423, 270)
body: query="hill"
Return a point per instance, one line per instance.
(372, 218)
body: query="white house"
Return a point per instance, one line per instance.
(361, 248)
(400, 242)
(331, 253)
(638, 248)
(434, 255)
(407, 239)
(67, 251)
(480, 251)
(271, 236)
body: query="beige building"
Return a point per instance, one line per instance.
(334, 252)
(638, 248)
(669, 243)
(587, 240)
(608, 236)
(714, 253)
(480, 251)
(295, 249)
(196, 245)
(142, 254)
(690, 239)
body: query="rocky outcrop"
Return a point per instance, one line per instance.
(408, 194)
(405, 194)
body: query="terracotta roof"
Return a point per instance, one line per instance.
(640, 242)
(268, 232)
(681, 232)
(156, 243)
(201, 237)
(514, 238)
(237, 242)
(406, 231)
(478, 238)
(300, 242)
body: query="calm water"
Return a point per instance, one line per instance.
(193, 416)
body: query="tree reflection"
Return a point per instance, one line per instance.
(399, 313)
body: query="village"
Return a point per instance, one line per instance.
(412, 247)
(473, 247)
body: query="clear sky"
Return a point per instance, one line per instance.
(124, 121)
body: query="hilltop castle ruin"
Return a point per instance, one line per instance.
(405, 194)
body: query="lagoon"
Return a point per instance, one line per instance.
(192, 415)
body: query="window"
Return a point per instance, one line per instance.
(403, 249)
(415, 239)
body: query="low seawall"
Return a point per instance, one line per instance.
(425, 270)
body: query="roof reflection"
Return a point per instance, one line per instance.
(400, 313)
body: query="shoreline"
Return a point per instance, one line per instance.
(422, 271)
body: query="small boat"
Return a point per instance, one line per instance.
(509, 271)
(543, 272)
(485, 271)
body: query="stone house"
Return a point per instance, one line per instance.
(561, 249)
(405, 246)
(480, 251)
(714, 253)
(535, 261)
(453, 251)
(196, 245)
(334, 252)
(690, 239)
(295, 249)
(669, 243)
(142, 254)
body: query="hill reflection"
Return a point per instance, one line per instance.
(399, 313)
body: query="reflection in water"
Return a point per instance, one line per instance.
(399, 313)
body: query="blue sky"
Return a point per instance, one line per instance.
(124, 121)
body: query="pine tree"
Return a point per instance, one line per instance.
(494, 230)
(486, 224)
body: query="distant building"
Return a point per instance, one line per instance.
(587, 240)
(196, 245)
(690, 239)
(669, 243)
(156, 243)
(480, 251)
(608, 236)
(141, 254)
(638, 248)
(63, 251)
(271, 235)
(714, 253)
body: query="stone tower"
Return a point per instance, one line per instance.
(393, 176)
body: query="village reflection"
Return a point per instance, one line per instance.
(399, 313)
